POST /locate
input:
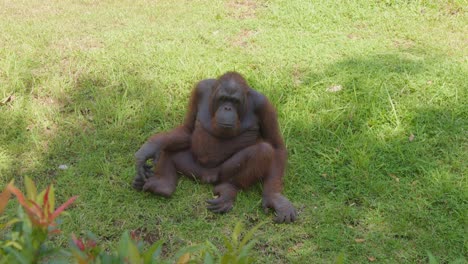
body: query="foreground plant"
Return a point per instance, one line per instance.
(40, 207)
(238, 248)
(130, 250)
(26, 240)
(36, 221)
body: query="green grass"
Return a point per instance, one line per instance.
(90, 81)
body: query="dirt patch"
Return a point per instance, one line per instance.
(361, 25)
(28, 11)
(454, 9)
(353, 36)
(298, 74)
(403, 43)
(243, 39)
(144, 234)
(47, 101)
(243, 9)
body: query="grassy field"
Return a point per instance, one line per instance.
(371, 97)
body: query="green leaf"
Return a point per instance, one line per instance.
(245, 251)
(6, 260)
(14, 244)
(12, 222)
(58, 261)
(432, 259)
(128, 249)
(133, 253)
(20, 257)
(208, 258)
(88, 234)
(213, 249)
(236, 233)
(106, 259)
(123, 244)
(250, 234)
(227, 259)
(153, 252)
(340, 259)
(40, 197)
(189, 249)
(31, 190)
(228, 244)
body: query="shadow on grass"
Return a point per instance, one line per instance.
(355, 170)
(383, 159)
(100, 124)
(15, 135)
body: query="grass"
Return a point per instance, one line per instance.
(377, 170)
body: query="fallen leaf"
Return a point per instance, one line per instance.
(411, 138)
(359, 240)
(371, 258)
(334, 88)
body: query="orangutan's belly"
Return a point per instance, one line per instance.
(211, 151)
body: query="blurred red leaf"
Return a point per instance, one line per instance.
(40, 214)
(4, 198)
(62, 207)
(31, 209)
(78, 242)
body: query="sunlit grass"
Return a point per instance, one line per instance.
(383, 160)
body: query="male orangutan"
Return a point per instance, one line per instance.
(230, 138)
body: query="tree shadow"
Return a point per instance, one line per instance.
(100, 123)
(353, 166)
(16, 128)
(379, 158)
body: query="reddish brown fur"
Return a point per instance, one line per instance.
(231, 158)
